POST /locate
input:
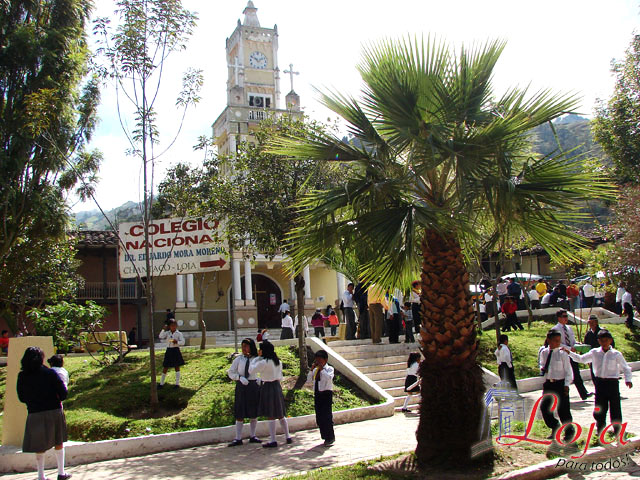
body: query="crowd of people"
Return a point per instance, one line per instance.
(558, 361)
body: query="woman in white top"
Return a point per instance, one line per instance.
(247, 394)
(287, 326)
(271, 403)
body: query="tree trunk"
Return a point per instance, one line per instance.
(452, 384)
(203, 325)
(302, 344)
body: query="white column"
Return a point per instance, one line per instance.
(179, 291)
(237, 289)
(191, 302)
(340, 285)
(248, 288)
(307, 282)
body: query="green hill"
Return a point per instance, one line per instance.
(94, 220)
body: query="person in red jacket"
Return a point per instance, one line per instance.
(509, 308)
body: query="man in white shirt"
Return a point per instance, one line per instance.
(568, 340)
(321, 375)
(284, 308)
(607, 363)
(589, 293)
(555, 367)
(627, 298)
(534, 297)
(501, 289)
(349, 314)
(619, 293)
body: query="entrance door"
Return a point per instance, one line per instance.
(268, 298)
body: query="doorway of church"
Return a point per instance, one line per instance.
(268, 297)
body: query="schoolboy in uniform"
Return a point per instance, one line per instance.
(607, 363)
(568, 340)
(505, 363)
(555, 367)
(322, 375)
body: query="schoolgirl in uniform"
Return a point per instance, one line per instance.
(247, 391)
(271, 404)
(411, 384)
(172, 356)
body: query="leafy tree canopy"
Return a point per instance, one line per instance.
(616, 125)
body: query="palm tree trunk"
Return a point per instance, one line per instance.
(452, 387)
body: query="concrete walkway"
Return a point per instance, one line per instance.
(354, 442)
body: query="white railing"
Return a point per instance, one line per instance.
(100, 290)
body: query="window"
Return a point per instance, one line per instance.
(260, 101)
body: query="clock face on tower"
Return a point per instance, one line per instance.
(258, 60)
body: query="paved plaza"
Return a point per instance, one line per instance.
(354, 442)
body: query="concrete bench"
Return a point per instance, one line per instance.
(342, 333)
(91, 342)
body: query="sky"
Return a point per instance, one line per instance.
(564, 45)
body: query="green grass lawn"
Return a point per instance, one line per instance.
(524, 345)
(104, 402)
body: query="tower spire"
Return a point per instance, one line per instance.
(251, 15)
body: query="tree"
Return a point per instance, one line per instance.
(440, 160)
(36, 272)
(256, 200)
(134, 55)
(46, 118)
(615, 125)
(66, 322)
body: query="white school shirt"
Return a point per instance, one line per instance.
(546, 299)
(534, 295)
(482, 308)
(168, 336)
(287, 321)
(588, 290)
(284, 307)
(605, 364)
(347, 299)
(619, 294)
(413, 369)
(559, 367)
(267, 370)
(568, 337)
(238, 367)
(501, 288)
(63, 374)
(414, 297)
(326, 378)
(305, 324)
(503, 355)
(627, 298)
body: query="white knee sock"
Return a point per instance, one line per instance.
(239, 426)
(164, 375)
(285, 426)
(40, 465)
(406, 401)
(253, 423)
(272, 430)
(60, 460)
(177, 378)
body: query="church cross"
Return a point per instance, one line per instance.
(236, 67)
(291, 74)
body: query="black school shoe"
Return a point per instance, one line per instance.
(235, 443)
(328, 443)
(64, 477)
(289, 441)
(254, 440)
(270, 445)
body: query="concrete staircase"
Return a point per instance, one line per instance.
(385, 364)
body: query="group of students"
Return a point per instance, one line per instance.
(558, 362)
(258, 393)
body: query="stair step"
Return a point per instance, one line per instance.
(391, 382)
(385, 375)
(382, 360)
(367, 341)
(367, 369)
(399, 401)
(396, 391)
(357, 351)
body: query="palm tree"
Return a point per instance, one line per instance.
(438, 167)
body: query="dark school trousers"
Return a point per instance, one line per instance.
(363, 320)
(408, 332)
(508, 374)
(417, 320)
(564, 408)
(608, 399)
(350, 320)
(577, 380)
(394, 328)
(323, 403)
(377, 317)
